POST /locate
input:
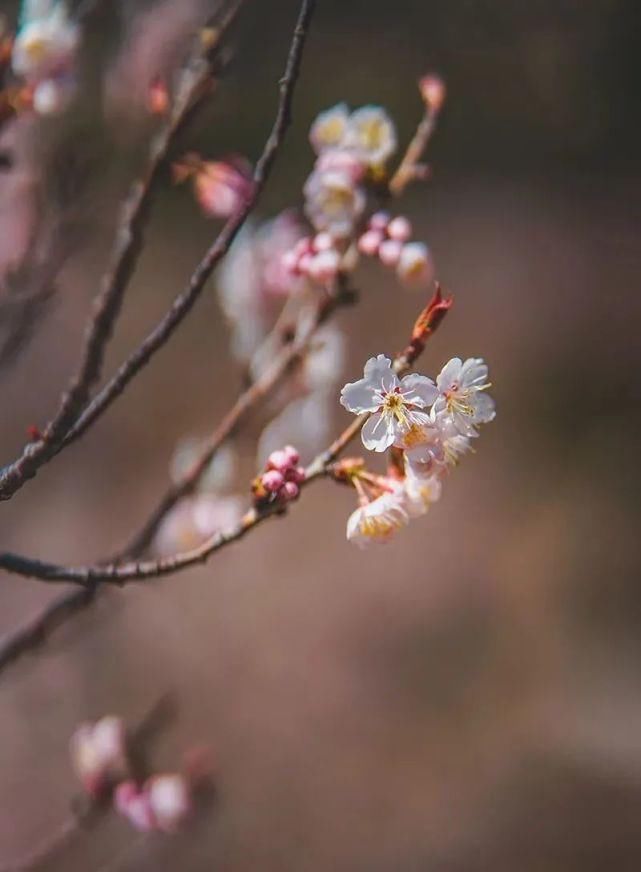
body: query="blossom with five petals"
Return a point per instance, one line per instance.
(397, 406)
(462, 401)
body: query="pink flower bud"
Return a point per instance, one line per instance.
(390, 252)
(324, 266)
(272, 480)
(295, 474)
(289, 491)
(134, 805)
(369, 242)
(323, 242)
(292, 454)
(379, 221)
(433, 91)
(279, 460)
(303, 246)
(399, 228)
(169, 800)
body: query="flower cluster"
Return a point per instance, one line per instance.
(389, 239)
(44, 53)
(350, 148)
(101, 758)
(281, 480)
(431, 424)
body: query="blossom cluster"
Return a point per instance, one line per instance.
(101, 758)
(432, 424)
(350, 148)
(44, 53)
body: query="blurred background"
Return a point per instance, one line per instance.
(467, 698)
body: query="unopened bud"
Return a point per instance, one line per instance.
(433, 91)
(272, 480)
(400, 229)
(389, 252)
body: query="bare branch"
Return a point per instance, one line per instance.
(185, 301)
(128, 245)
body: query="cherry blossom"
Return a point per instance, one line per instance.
(377, 521)
(396, 405)
(371, 135)
(462, 400)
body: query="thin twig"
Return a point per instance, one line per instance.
(128, 246)
(409, 167)
(121, 574)
(185, 301)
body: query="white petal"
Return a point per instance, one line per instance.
(450, 373)
(419, 390)
(484, 408)
(360, 396)
(378, 432)
(474, 372)
(379, 370)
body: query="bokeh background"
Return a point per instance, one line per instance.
(466, 699)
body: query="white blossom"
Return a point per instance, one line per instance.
(329, 129)
(396, 405)
(414, 264)
(169, 800)
(462, 401)
(333, 202)
(45, 43)
(378, 520)
(371, 135)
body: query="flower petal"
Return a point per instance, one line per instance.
(484, 408)
(419, 390)
(378, 432)
(360, 396)
(379, 371)
(450, 373)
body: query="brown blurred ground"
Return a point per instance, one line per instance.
(467, 698)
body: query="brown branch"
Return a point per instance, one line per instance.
(409, 167)
(108, 303)
(185, 301)
(120, 574)
(287, 357)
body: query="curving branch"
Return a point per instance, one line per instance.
(144, 570)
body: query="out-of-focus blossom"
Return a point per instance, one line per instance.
(329, 129)
(219, 474)
(316, 258)
(455, 447)
(46, 42)
(396, 405)
(378, 520)
(399, 228)
(195, 519)
(170, 801)
(414, 266)
(132, 802)
(306, 420)
(221, 187)
(462, 399)
(340, 160)
(389, 252)
(253, 280)
(371, 135)
(52, 96)
(333, 202)
(99, 754)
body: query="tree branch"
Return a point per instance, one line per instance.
(128, 245)
(121, 574)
